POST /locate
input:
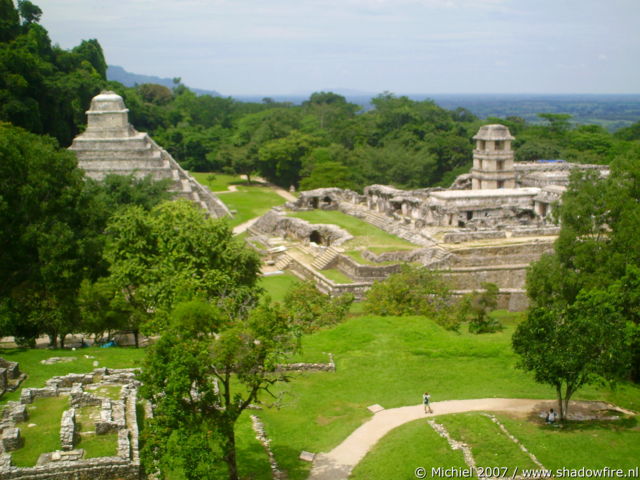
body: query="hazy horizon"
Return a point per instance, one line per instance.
(288, 47)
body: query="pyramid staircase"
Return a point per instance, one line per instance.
(110, 145)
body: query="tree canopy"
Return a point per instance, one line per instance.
(583, 315)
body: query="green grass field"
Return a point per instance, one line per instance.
(364, 233)
(250, 202)
(217, 182)
(336, 276)
(277, 286)
(44, 436)
(389, 361)
(404, 449)
(592, 445)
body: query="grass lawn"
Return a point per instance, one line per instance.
(384, 360)
(250, 202)
(46, 414)
(489, 446)
(38, 374)
(94, 445)
(364, 233)
(336, 276)
(217, 182)
(585, 444)
(391, 361)
(404, 449)
(277, 286)
(580, 444)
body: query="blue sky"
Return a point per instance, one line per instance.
(403, 46)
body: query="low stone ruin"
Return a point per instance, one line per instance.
(275, 222)
(306, 367)
(116, 415)
(10, 376)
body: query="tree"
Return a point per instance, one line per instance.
(29, 12)
(40, 248)
(174, 252)
(476, 306)
(103, 309)
(558, 122)
(204, 371)
(310, 309)
(328, 174)
(280, 161)
(575, 346)
(412, 291)
(9, 21)
(597, 248)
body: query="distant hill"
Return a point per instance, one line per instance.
(128, 79)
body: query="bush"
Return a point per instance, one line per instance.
(412, 291)
(475, 307)
(311, 309)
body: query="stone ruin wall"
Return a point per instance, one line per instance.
(276, 223)
(115, 415)
(10, 376)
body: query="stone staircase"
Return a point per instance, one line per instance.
(283, 261)
(110, 145)
(325, 258)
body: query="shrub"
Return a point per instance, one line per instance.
(475, 307)
(412, 291)
(311, 309)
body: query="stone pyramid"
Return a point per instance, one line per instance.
(110, 144)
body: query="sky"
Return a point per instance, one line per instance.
(278, 47)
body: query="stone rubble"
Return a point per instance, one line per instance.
(261, 436)
(515, 440)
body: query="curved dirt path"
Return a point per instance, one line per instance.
(338, 463)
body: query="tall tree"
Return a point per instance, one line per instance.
(206, 369)
(40, 264)
(174, 252)
(575, 346)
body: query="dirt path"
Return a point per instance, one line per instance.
(244, 226)
(338, 463)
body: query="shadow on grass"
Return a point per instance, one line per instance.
(625, 422)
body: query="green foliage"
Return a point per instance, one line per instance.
(203, 372)
(43, 88)
(575, 346)
(325, 174)
(475, 308)
(40, 211)
(413, 291)
(174, 252)
(310, 309)
(57, 222)
(597, 246)
(103, 309)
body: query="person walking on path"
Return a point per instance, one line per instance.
(426, 399)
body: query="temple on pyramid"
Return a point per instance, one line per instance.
(110, 145)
